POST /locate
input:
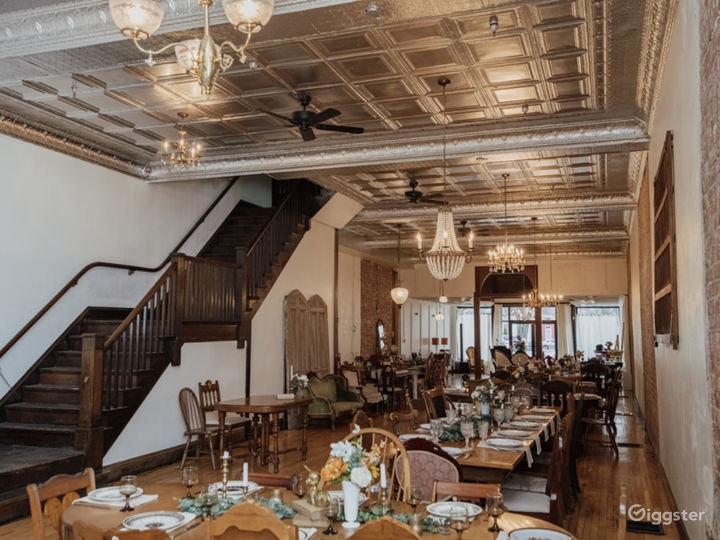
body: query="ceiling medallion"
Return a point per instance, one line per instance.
(201, 58)
(445, 260)
(184, 154)
(506, 258)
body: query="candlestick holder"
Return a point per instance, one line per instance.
(384, 499)
(245, 488)
(225, 473)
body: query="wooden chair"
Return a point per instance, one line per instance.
(520, 358)
(249, 520)
(428, 462)
(597, 373)
(390, 387)
(607, 419)
(57, 494)
(209, 394)
(554, 394)
(404, 422)
(502, 374)
(362, 420)
(385, 527)
(463, 491)
(391, 448)
(195, 425)
(501, 357)
(286, 481)
(436, 402)
(84, 531)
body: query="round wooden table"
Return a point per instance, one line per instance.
(106, 519)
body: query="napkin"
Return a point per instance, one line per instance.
(134, 502)
(541, 420)
(306, 532)
(531, 436)
(524, 448)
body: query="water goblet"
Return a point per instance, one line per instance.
(415, 497)
(499, 416)
(190, 477)
(467, 428)
(495, 509)
(483, 429)
(459, 519)
(436, 430)
(299, 489)
(451, 416)
(128, 486)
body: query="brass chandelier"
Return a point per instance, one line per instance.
(534, 298)
(180, 153)
(445, 259)
(201, 58)
(506, 258)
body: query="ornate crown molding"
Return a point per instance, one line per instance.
(87, 22)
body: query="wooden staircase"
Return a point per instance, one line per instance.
(76, 400)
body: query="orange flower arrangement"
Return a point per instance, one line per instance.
(333, 469)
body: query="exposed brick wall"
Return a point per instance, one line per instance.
(376, 282)
(645, 263)
(710, 159)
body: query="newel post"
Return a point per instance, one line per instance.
(176, 344)
(89, 437)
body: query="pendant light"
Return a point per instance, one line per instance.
(399, 294)
(506, 258)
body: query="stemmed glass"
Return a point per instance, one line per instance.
(467, 428)
(415, 497)
(299, 489)
(459, 519)
(331, 513)
(436, 430)
(483, 428)
(495, 509)
(190, 477)
(499, 416)
(128, 486)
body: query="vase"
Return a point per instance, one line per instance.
(485, 409)
(351, 502)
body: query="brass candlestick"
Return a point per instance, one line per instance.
(384, 499)
(225, 472)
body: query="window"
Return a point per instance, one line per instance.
(518, 329)
(595, 326)
(548, 331)
(466, 331)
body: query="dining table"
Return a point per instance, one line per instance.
(169, 494)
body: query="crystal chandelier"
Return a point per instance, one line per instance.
(445, 260)
(184, 154)
(399, 294)
(201, 58)
(534, 298)
(506, 258)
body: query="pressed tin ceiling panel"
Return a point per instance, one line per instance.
(563, 61)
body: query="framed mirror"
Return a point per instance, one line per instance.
(380, 331)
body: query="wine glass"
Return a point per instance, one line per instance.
(451, 415)
(190, 477)
(299, 489)
(415, 497)
(483, 429)
(436, 430)
(459, 519)
(208, 499)
(467, 428)
(128, 486)
(331, 513)
(495, 509)
(499, 416)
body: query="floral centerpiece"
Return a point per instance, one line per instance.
(488, 395)
(519, 373)
(568, 362)
(356, 468)
(519, 345)
(299, 384)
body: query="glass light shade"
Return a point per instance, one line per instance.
(248, 16)
(137, 18)
(445, 259)
(187, 54)
(443, 299)
(440, 316)
(399, 295)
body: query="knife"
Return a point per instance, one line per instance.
(186, 529)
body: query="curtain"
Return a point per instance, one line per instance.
(595, 326)
(564, 330)
(486, 334)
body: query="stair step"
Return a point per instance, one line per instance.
(100, 326)
(51, 393)
(60, 375)
(68, 358)
(42, 413)
(37, 434)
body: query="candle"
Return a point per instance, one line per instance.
(245, 473)
(383, 476)
(226, 455)
(419, 241)
(470, 240)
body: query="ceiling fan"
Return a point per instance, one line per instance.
(415, 196)
(306, 120)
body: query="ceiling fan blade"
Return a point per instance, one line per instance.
(342, 129)
(433, 201)
(281, 117)
(307, 134)
(322, 116)
(434, 195)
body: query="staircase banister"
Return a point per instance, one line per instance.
(272, 219)
(102, 264)
(212, 262)
(140, 305)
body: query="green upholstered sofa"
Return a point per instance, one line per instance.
(331, 398)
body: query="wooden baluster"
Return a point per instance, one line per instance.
(179, 312)
(89, 434)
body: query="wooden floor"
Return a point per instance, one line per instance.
(600, 475)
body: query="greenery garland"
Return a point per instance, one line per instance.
(429, 524)
(221, 505)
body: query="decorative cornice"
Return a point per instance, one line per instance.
(88, 22)
(592, 135)
(537, 206)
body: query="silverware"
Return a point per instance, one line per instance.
(186, 529)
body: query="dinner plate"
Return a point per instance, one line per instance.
(454, 451)
(521, 424)
(407, 436)
(442, 509)
(154, 520)
(338, 495)
(536, 418)
(111, 494)
(505, 443)
(425, 426)
(234, 488)
(514, 433)
(542, 411)
(539, 534)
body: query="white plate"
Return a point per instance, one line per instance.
(505, 443)
(442, 509)
(407, 436)
(111, 494)
(514, 434)
(425, 426)
(454, 451)
(234, 488)
(536, 418)
(521, 424)
(154, 520)
(540, 534)
(543, 411)
(338, 495)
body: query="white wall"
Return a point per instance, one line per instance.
(58, 214)
(682, 382)
(349, 303)
(419, 326)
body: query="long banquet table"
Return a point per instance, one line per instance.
(168, 494)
